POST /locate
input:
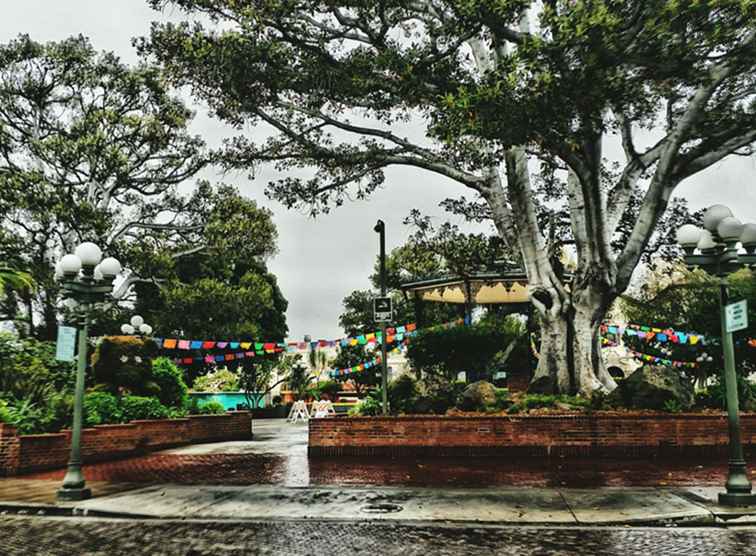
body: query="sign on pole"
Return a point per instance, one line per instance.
(736, 316)
(382, 310)
(66, 345)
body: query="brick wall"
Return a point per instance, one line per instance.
(558, 435)
(36, 452)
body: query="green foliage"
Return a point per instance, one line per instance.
(277, 400)
(672, 406)
(5, 415)
(140, 407)
(472, 349)
(211, 407)
(11, 278)
(689, 301)
(219, 380)
(89, 145)
(123, 364)
(350, 356)
(170, 380)
(330, 388)
(402, 394)
(29, 370)
(299, 380)
(101, 408)
(368, 406)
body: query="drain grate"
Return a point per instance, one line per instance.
(383, 508)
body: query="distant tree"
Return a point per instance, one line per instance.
(89, 149)
(688, 301)
(350, 356)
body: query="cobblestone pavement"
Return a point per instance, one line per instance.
(84, 536)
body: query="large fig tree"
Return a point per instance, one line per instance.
(505, 89)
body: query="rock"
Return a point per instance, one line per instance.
(543, 385)
(478, 395)
(651, 387)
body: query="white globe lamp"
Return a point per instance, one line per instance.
(70, 265)
(136, 321)
(706, 241)
(127, 329)
(89, 254)
(145, 329)
(730, 229)
(714, 215)
(688, 236)
(110, 268)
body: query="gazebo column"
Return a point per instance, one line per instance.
(419, 307)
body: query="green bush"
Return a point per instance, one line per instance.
(368, 406)
(101, 408)
(124, 364)
(5, 416)
(672, 406)
(402, 394)
(170, 379)
(140, 407)
(277, 400)
(211, 407)
(29, 370)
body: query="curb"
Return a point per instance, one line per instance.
(51, 510)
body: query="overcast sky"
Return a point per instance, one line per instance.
(320, 261)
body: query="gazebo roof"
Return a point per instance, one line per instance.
(483, 288)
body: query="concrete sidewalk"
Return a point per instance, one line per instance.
(531, 506)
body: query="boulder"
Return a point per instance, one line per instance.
(650, 387)
(478, 395)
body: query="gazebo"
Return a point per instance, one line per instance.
(486, 287)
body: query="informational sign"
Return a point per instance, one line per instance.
(382, 310)
(736, 316)
(66, 346)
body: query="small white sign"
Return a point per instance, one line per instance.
(66, 345)
(736, 316)
(382, 309)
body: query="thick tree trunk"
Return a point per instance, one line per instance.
(570, 360)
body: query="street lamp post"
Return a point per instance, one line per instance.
(86, 280)
(718, 254)
(380, 229)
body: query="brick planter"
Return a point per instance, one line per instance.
(600, 435)
(37, 452)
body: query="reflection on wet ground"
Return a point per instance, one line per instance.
(278, 455)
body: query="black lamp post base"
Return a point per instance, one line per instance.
(737, 499)
(73, 494)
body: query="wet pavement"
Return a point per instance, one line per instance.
(33, 535)
(278, 455)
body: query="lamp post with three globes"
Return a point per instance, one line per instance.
(86, 280)
(715, 249)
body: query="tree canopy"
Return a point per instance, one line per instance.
(513, 95)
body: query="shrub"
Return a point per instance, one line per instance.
(29, 370)
(672, 406)
(5, 416)
(277, 400)
(101, 408)
(220, 380)
(124, 363)
(472, 349)
(402, 394)
(213, 407)
(368, 406)
(141, 407)
(170, 379)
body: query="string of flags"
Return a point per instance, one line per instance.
(392, 334)
(661, 360)
(654, 334)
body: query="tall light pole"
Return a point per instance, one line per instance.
(380, 229)
(87, 281)
(718, 254)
